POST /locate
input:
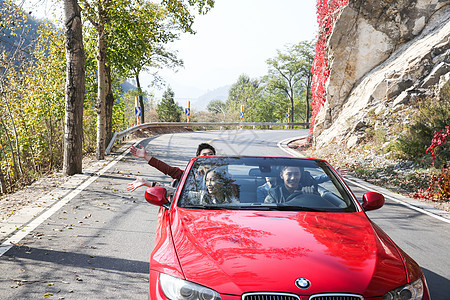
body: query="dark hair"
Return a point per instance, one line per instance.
(205, 146)
(223, 177)
(285, 167)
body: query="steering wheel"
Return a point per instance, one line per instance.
(307, 200)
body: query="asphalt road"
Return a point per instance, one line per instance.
(97, 245)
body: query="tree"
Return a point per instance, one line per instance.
(138, 41)
(289, 69)
(101, 15)
(307, 53)
(247, 92)
(75, 88)
(2, 177)
(13, 31)
(167, 109)
(217, 107)
(32, 70)
(97, 14)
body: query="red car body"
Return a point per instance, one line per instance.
(235, 252)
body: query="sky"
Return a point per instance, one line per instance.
(236, 37)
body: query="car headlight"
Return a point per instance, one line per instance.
(410, 291)
(179, 289)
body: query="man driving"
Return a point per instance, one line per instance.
(295, 182)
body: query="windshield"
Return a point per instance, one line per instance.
(264, 183)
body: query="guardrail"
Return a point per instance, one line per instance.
(121, 134)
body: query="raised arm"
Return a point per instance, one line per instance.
(140, 152)
(138, 183)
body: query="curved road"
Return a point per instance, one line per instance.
(96, 241)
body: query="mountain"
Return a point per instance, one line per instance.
(126, 86)
(200, 103)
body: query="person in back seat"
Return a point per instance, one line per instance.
(263, 190)
(219, 187)
(204, 149)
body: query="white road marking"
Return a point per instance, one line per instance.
(394, 198)
(16, 238)
(283, 146)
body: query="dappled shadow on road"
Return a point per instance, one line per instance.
(439, 286)
(78, 260)
(36, 273)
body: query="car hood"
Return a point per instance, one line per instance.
(235, 252)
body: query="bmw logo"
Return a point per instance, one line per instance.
(302, 283)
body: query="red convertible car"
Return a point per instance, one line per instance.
(273, 228)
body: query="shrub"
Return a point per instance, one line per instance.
(439, 188)
(430, 117)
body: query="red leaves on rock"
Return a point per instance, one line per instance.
(439, 138)
(327, 13)
(439, 188)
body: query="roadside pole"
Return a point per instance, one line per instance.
(242, 114)
(288, 115)
(187, 111)
(137, 111)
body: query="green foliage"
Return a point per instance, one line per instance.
(290, 74)
(245, 92)
(167, 109)
(272, 108)
(181, 11)
(429, 116)
(32, 108)
(286, 86)
(32, 76)
(138, 33)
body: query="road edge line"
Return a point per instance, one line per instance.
(23, 231)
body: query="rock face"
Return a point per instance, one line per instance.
(381, 55)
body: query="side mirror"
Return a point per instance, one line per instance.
(372, 201)
(156, 195)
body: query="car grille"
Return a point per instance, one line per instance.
(283, 296)
(336, 297)
(269, 296)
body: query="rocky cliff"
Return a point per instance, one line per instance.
(381, 56)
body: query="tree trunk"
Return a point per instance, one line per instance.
(308, 89)
(75, 88)
(2, 183)
(16, 139)
(102, 87)
(291, 97)
(141, 99)
(2, 177)
(109, 107)
(10, 147)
